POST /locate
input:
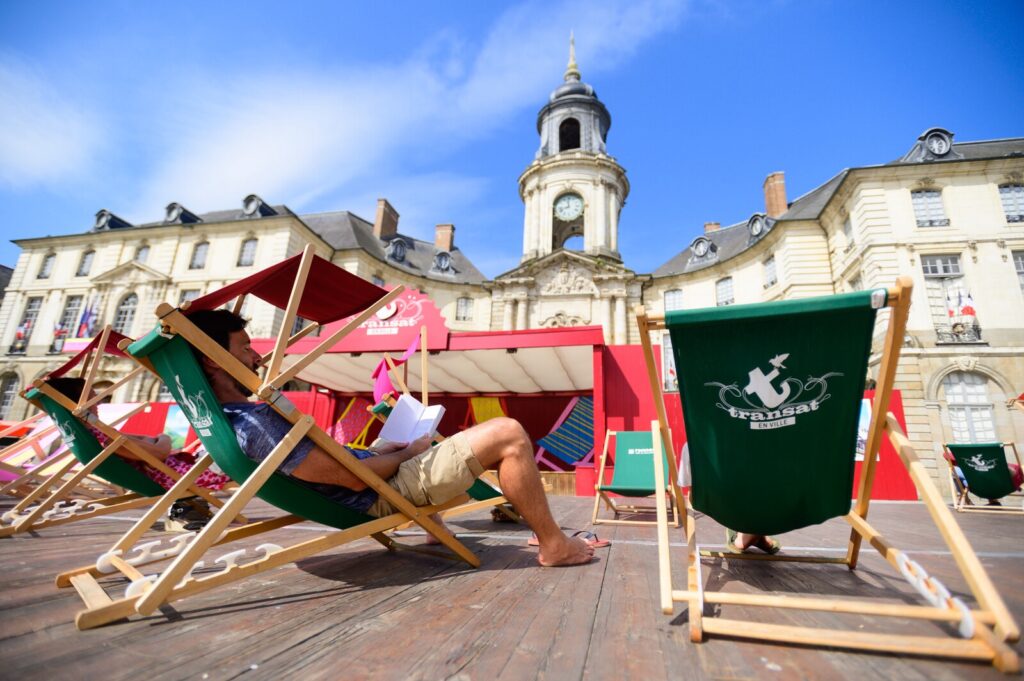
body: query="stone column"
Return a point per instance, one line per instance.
(506, 322)
(606, 316)
(613, 220)
(521, 310)
(620, 320)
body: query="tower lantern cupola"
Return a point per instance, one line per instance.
(573, 118)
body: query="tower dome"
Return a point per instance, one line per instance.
(574, 119)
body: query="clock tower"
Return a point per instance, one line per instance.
(573, 187)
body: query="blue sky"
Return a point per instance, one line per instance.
(326, 105)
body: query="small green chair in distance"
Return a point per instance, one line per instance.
(988, 476)
(771, 396)
(632, 476)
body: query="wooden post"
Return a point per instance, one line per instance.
(298, 288)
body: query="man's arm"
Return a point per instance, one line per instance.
(159, 446)
(321, 467)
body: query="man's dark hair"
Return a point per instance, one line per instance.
(70, 388)
(218, 325)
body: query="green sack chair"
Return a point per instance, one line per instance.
(771, 398)
(306, 286)
(57, 500)
(988, 476)
(632, 477)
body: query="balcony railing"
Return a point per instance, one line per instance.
(18, 347)
(958, 333)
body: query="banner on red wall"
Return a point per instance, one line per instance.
(395, 326)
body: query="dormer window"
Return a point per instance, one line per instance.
(107, 220)
(396, 250)
(703, 247)
(46, 269)
(85, 264)
(757, 225)
(443, 262)
(178, 213)
(254, 207)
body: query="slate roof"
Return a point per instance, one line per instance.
(734, 239)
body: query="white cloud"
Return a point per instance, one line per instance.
(44, 137)
(296, 138)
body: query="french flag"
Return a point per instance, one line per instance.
(951, 306)
(967, 305)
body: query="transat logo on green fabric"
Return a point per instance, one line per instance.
(979, 464)
(200, 414)
(768, 400)
(66, 432)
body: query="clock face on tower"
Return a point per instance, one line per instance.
(568, 207)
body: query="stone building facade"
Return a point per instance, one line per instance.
(949, 214)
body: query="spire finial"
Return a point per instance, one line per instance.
(571, 71)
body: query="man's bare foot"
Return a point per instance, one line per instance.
(565, 551)
(431, 539)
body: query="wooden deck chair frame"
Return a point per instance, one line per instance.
(38, 511)
(618, 508)
(147, 593)
(15, 460)
(960, 491)
(985, 629)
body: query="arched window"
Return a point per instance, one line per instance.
(142, 253)
(464, 309)
(971, 415)
(8, 391)
(125, 314)
(198, 260)
(673, 299)
(569, 134)
(247, 253)
(723, 292)
(85, 264)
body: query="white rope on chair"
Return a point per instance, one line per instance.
(935, 592)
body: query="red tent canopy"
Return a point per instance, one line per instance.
(331, 292)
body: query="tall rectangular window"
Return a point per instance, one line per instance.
(1018, 264)
(198, 260)
(770, 275)
(188, 294)
(142, 253)
(1012, 196)
(377, 280)
(848, 232)
(23, 332)
(247, 253)
(670, 379)
(66, 325)
(949, 299)
(46, 269)
(673, 299)
(85, 264)
(856, 284)
(928, 208)
(8, 392)
(970, 409)
(723, 292)
(464, 310)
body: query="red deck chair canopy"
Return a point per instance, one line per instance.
(331, 293)
(111, 349)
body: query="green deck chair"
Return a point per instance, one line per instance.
(988, 475)
(771, 398)
(632, 476)
(166, 353)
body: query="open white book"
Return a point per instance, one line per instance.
(410, 420)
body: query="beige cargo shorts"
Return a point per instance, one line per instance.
(439, 474)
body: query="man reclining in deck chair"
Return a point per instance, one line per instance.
(421, 473)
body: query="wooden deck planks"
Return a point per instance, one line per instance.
(362, 611)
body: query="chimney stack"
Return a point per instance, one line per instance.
(444, 237)
(712, 227)
(775, 194)
(386, 222)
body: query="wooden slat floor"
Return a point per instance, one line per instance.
(360, 612)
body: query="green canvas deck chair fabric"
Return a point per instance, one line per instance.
(632, 477)
(988, 476)
(53, 502)
(303, 285)
(771, 396)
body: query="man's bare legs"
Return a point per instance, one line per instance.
(503, 444)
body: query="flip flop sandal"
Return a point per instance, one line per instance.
(585, 535)
(766, 544)
(730, 542)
